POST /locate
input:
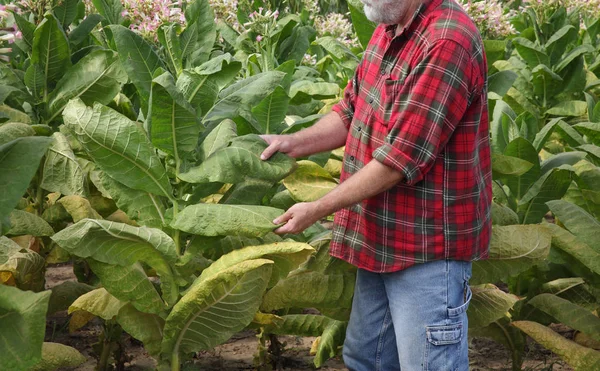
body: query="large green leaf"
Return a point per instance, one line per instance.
(287, 256)
(577, 249)
(488, 305)
(169, 38)
(513, 249)
(590, 129)
(309, 182)
(238, 161)
(568, 313)
(271, 112)
(577, 356)
(64, 294)
(173, 125)
(146, 327)
(224, 220)
(311, 289)
(199, 12)
(123, 245)
(19, 160)
(530, 52)
(51, 50)
(559, 41)
(363, 27)
(137, 57)
(23, 222)
(546, 83)
(111, 10)
(523, 149)
(27, 29)
(573, 289)
(24, 266)
(218, 138)
(222, 68)
(211, 312)
(500, 82)
(62, 172)
(79, 208)
(65, 11)
(13, 130)
(99, 303)
(249, 192)
(243, 95)
(506, 165)
(118, 147)
(143, 207)
(58, 356)
(200, 90)
(551, 186)
(568, 108)
(97, 77)
(80, 33)
(22, 327)
(563, 158)
(577, 221)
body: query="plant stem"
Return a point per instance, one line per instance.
(104, 356)
(176, 231)
(39, 192)
(175, 362)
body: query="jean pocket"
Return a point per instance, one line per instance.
(455, 312)
(445, 335)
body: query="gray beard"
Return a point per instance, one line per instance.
(390, 12)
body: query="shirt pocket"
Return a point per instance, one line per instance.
(391, 93)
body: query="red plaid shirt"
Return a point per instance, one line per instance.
(418, 104)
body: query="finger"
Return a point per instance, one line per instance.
(285, 229)
(270, 150)
(283, 218)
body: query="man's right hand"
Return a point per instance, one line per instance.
(279, 143)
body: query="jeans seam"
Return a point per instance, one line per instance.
(384, 328)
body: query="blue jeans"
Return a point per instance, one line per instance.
(410, 320)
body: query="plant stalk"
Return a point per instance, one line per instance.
(175, 362)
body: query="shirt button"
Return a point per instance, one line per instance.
(371, 99)
(351, 158)
(382, 72)
(359, 128)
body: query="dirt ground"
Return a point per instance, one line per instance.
(238, 352)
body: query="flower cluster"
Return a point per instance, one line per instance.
(8, 30)
(338, 26)
(147, 16)
(312, 8)
(226, 10)
(490, 17)
(585, 8)
(261, 22)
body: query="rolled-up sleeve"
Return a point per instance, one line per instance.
(432, 102)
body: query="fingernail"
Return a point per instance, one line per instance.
(276, 221)
(262, 157)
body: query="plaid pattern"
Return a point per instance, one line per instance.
(418, 103)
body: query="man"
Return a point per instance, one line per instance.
(413, 206)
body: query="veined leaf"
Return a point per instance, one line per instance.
(577, 356)
(509, 165)
(488, 305)
(173, 125)
(118, 147)
(218, 138)
(513, 249)
(24, 266)
(577, 221)
(590, 129)
(542, 137)
(363, 27)
(14, 115)
(189, 37)
(123, 245)
(111, 10)
(551, 186)
(579, 250)
(79, 208)
(309, 182)
(35, 79)
(315, 90)
(545, 82)
(19, 160)
(224, 220)
(287, 256)
(169, 38)
(211, 312)
(27, 29)
(84, 28)
(137, 57)
(568, 108)
(97, 77)
(199, 90)
(22, 327)
(51, 49)
(56, 356)
(238, 161)
(64, 294)
(223, 69)
(568, 313)
(13, 130)
(249, 192)
(559, 41)
(97, 302)
(530, 52)
(573, 289)
(521, 148)
(311, 289)
(143, 207)
(564, 158)
(146, 327)
(131, 284)
(271, 112)
(201, 13)
(65, 11)
(23, 222)
(62, 172)
(500, 82)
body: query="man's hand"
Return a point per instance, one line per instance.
(299, 217)
(279, 143)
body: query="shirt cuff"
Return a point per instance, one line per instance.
(390, 156)
(345, 112)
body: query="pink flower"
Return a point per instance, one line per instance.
(259, 38)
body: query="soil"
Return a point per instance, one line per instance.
(238, 353)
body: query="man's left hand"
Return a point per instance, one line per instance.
(298, 217)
